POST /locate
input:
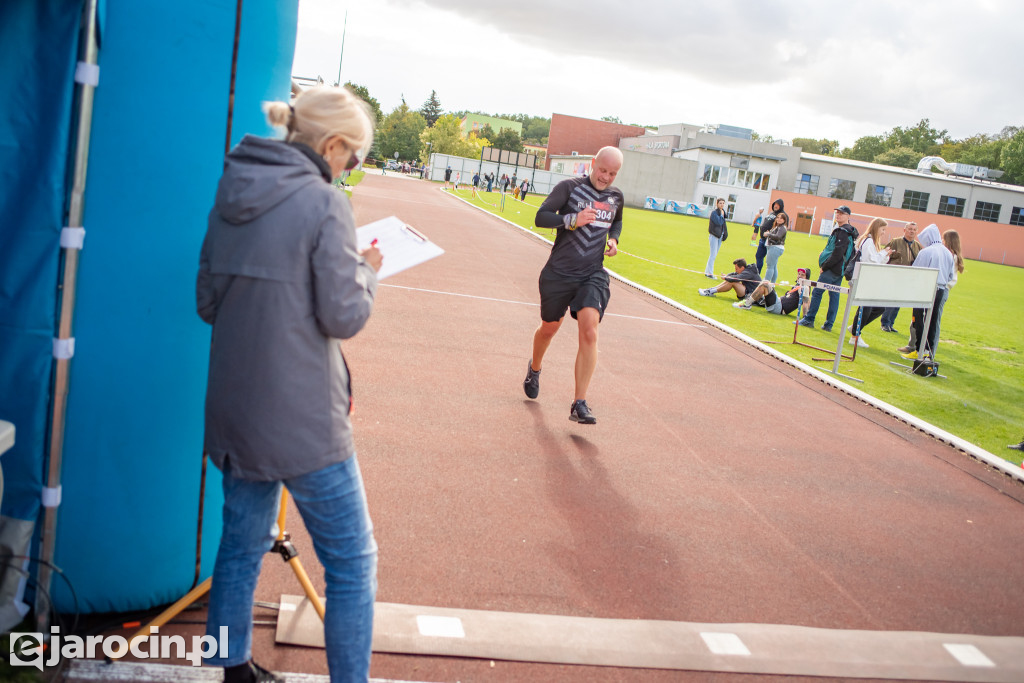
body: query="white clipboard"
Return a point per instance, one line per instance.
(401, 245)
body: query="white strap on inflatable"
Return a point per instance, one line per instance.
(63, 349)
(87, 74)
(51, 497)
(72, 238)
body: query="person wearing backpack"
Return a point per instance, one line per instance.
(832, 261)
(869, 250)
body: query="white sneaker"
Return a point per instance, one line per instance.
(744, 304)
(706, 292)
(859, 342)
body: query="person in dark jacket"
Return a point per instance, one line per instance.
(717, 233)
(281, 281)
(832, 266)
(743, 280)
(767, 223)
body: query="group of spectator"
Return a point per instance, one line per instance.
(933, 250)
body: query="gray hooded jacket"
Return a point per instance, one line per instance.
(281, 281)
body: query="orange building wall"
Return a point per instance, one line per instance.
(570, 134)
(980, 240)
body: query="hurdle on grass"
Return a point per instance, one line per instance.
(885, 286)
(805, 286)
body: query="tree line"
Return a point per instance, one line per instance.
(416, 133)
(904, 147)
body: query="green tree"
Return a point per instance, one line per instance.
(536, 129)
(921, 138)
(611, 119)
(865, 148)
(1011, 159)
(487, 132)
(979, 150)
(508, 138)
(431, 109)
(903, 157)
(361, 92)
(815, 146)
(400, 132)
(445, 137)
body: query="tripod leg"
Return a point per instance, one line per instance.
(171, 612)
(291, 556)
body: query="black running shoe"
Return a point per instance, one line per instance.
(250, 672)
(580, 412)
(531, 385)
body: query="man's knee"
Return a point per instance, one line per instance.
(548, 329)
(588, 320)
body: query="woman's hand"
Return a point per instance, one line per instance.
(373, 256)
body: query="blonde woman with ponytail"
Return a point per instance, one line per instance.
(281, 281)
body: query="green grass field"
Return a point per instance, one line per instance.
(980, 350)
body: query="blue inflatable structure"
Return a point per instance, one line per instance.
(130, 430)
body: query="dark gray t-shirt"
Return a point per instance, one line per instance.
(580, 252)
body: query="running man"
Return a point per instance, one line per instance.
(588, 215)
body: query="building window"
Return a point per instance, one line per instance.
(736, 177)
(915, 201)
(841, 189)
(1017, 216)
(879, 194)
(730, 206)
(951, 206)
(708, 201)
(987, 211)
(806, 184)
(714, 174)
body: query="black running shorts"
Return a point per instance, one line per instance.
(558, 292)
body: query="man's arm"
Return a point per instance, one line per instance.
(547, 214)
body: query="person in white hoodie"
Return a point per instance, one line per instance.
(871, 251)
(933, 255)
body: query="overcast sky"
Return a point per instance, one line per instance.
(788, 68)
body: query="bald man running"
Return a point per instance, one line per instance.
(588, 215)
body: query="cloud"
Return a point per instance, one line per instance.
(784, 68)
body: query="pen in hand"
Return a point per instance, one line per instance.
(372, 255)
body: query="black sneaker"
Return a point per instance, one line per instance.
(250, 672)
(1017, 446)
(531, 385)
(580, 412)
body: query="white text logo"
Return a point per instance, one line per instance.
(28, 649)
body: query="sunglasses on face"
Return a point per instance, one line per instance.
(353, 161)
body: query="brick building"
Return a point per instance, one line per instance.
(574, 135)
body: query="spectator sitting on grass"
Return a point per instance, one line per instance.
(743, 281)
(764, 295)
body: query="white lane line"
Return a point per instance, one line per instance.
(528, 303)
(724, 643)
(968, 655)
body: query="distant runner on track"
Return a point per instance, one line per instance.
(588, 215)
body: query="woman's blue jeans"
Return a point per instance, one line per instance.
(715, 243)
(772, 262)
(332, 503)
